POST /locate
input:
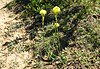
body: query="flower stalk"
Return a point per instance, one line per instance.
(43, 13)
(56, 11)
(56, 18)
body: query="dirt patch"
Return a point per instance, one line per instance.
(4, 2)
(11, 59)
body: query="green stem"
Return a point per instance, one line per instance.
(56, 18)
(43, 30)
(57, 32)
(58, 39)
(43, 21)
(43, 39)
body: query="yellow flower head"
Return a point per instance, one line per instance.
(56, 25)
(43, 12)
(56, 10)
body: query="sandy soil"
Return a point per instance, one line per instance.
(13, 59)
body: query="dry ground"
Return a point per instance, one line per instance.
(11, 59)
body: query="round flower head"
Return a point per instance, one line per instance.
(56, 25)
(56, 10)
(43, 12)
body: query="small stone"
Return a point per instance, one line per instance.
(57, 62)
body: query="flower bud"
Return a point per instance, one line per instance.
(43, 12)
(56, 25)
(56, 10)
